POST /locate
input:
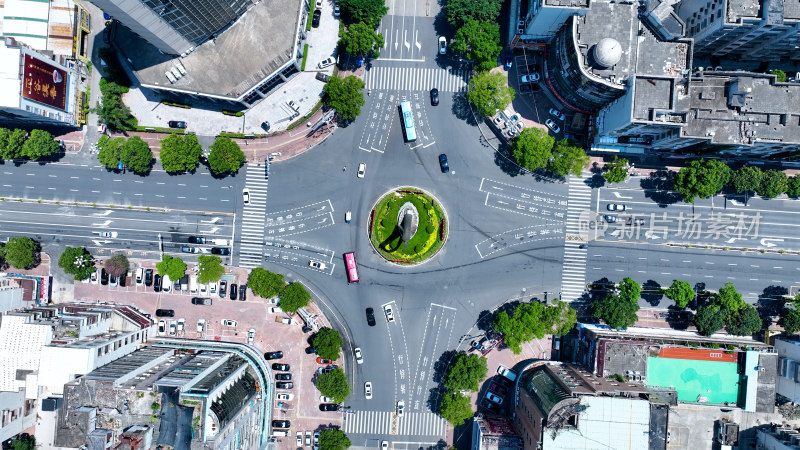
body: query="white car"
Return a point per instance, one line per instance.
(246, 196)
(362, 168)
(162, 327)
(275, 310)
(108, 234)
(299, 440)
(317, 265)
(326, 62)
(203, 289)
(212, 288)
(319, 4)
(324, 399)
(87, 280)
(359, 358)
(308, 438)
(287, 397)
(201, 325)
(293, 105)
(229, 323)
(530, 78)
(557, 114)
(368, 390)
(139, 276)
(166, 283)
(94, 278)
(442, 45)
(173, 328)
(615, 207)
(400, 408)
(251, 336)
(387, 309)
(273, 300)
(494, 398)
(181, 324)
(552, 125)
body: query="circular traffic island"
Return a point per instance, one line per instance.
(408, 226)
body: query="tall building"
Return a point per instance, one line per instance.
(36, 89)
(175, 26)
(760, 30)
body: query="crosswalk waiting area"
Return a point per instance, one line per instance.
(573, 272)
(380, 422)
(417, 79)
(253, 217)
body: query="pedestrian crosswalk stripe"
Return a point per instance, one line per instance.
(380, 423)
(417, 79)
(573, 270)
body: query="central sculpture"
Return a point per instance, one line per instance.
(407, 222)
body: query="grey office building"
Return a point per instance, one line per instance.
(175, 26)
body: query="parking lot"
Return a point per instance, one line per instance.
(270, 335)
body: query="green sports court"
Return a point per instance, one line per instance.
(716, 381)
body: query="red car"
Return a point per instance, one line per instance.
(498, 389)
(322, 361)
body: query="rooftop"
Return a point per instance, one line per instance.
(568, 3)
(742, 8)
(261, 42)
(604, 422)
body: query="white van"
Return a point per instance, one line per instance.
(279, 433)
(193, 284)
(220, 242)
(166, 283)
(139, 276)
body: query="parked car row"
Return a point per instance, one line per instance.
(176, 327)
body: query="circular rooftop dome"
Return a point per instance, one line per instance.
(607, 52)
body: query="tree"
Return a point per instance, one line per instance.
(362, 40)
(136, 155)
(211, 269)
(629, 290)
(11, 142)
(489, 92)
(368, 11)
(346, 95)
(616, 171)
(745, 179)
(531, 320)
(729, 300)
(480, 41)
(701, 178)
(773, 183)
(459, 11)
(327, 342)
(680, 292)
(21, 252)
(294, 297)
(568, 158)
(174, 268)
(561, 316)
(225, 156)
(455, 408)
(790, 321)
(117, 265)
(615, 312)
(334, 384)
(333, 439)
(532, 148)
(709, 319)
(111, 110)
(264, 283)
(110, 151)
(40, 144)
(24, 442)
(793, 189)
(465, 372)
(744, 322)
(780, 76)
(76, 261)
(180, 153)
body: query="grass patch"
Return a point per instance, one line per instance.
(308, 22)
(234, 113)
(305, 58)
(175, 104)
(159, 129)
(424, 244)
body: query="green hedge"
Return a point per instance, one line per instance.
(303, 119)
(177, 105)
(305, 57)
(232, 113)
(308, 22)
(159, 130)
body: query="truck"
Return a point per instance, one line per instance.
(504, 371)
(220, 242)
(286, 320)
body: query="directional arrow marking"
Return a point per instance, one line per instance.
(99, 243)
(618, 195)
(214, 220)
(103, 214)
(766, 242)
(104, 224)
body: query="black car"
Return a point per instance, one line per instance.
(197, 240)
(265, 125)
(176, 124)
(443, 163)
(201, 301)
(165, 313)
(493, 407)
(157, 283)
(525, 87)
(112, 279)
(123, 278)
(223, 289)
(243, 292)
(283, 376)
(315, 18)
(310, 350)
(281, 424)
(220, 251)
(280, 366)
(370, 317)
(284, 385)
(148, 277)
(434, 96)
(233, 291)
(328, 407)
(103, 277)
(273, 355)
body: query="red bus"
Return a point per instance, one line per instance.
(350, 266)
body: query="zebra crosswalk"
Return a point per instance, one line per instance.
(573, 270)
(417, 79)
(388, 423)
(252, 236)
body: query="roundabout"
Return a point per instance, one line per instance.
(407, 226)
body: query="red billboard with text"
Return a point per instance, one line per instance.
(44, 83)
